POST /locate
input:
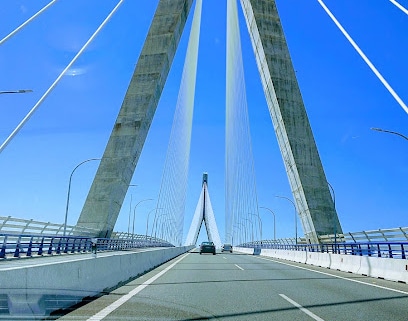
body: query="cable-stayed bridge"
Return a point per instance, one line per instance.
(312, 195)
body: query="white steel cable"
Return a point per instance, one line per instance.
(11, 34)
(173, 187)
(365, 58)
(44, 96)
(399, 6)
(241, 198)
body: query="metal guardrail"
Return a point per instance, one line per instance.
(396, 250)
(399, 234)
(391, 243)
(16, 235)
(14, 225)
(26, 245)
(30, 238)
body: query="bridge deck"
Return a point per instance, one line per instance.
(245, 287)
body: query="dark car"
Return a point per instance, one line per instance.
(207, 247)
(227, 248)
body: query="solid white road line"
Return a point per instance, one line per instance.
(362, 55)
(399, 6)
(113, 306)
(239, 267)
(336, 276)
(310, 314)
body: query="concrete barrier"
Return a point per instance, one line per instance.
(244, 250)
(79, 276)
(379, 267)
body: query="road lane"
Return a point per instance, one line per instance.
(204, 287)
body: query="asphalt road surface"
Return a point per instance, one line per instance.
(244, 287)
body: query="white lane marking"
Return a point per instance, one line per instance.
(337, 276)
(239, 267)
(362, 55)
(309, 313)
(224, 257)
(113, 306)
(399, 6)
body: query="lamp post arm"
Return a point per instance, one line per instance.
(69, 190)
(296, 233)
(130, 209)
(389, 131)
(147, 221)
(259, 223)
(155, 222)
(134, 214)
(19, 91)
(274, 221)
(334, 195)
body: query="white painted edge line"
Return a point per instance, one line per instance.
(113, 306)
(337, 276)
(399, 6)
(239, 267)
(309, 313)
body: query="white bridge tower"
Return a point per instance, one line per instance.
(204, 213)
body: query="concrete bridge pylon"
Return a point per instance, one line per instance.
(310, 188)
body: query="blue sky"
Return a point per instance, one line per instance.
(343, 98)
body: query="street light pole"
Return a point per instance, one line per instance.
(130, 209)
(155, 222)
(388, 131)
(240, 230)
(274, 221)
(334, 221)
(163, 224)
(296, 234)
(260, 224)
(252, 228)
(134, 214)
(147, 221)
(19, 91)
(69, 190)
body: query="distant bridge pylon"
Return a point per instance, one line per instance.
(204, 213)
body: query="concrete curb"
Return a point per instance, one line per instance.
(378, 267)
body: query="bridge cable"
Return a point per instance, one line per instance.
(54, 84)
(240, 192)
(173, 188)
(365, 58)
(36, 15)
(399, 6)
